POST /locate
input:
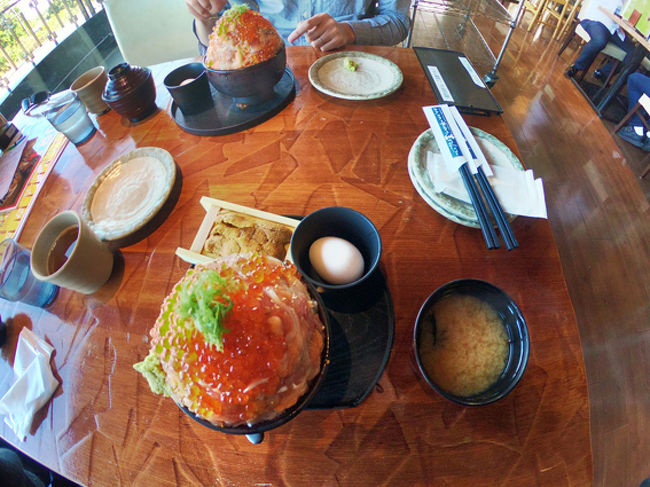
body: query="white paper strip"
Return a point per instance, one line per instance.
(472, 73)
(440, 84)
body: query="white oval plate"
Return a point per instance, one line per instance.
(375, 76)
(128, 193)
(496, 152)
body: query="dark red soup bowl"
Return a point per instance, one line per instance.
(130, 91)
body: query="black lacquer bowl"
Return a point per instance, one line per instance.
(255, 433)
(130, 91)
(515, 325)
(251, 85)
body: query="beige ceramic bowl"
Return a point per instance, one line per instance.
(89, 87)
(89, 262)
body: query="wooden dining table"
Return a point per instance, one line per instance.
(104, 427)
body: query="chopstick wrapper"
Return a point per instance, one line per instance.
(452, 154)
(519, 192)
(34, 383)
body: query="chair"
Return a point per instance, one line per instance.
(644, 102)
(536, 7)
(611, 50)
(151, 32)
(544, 11)
(568, 20)
(557, 10)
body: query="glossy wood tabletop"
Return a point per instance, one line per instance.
(104, 427)
(627, 26)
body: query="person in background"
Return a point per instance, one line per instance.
(14, 474)
(325, 25)
(602, 30)
(634, 131)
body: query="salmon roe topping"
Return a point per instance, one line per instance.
(252, 351)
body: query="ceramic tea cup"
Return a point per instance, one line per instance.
(67, 252)
(89, 87)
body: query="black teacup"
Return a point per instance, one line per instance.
(189, 88)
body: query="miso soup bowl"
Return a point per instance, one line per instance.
(515, 325)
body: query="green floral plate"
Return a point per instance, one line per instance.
(454, 209)
(373, 76)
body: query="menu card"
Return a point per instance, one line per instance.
(28, 178)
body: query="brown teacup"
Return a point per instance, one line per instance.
(67, 252)
(89, 87)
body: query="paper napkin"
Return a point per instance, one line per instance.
(34, 383)
(518, 191)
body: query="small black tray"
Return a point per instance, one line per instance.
(224, 117)
(362, 326)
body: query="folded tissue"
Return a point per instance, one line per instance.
(518, 191)
(34, 383)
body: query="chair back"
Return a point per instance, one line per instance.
(151, 31)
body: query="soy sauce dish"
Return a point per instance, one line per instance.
(471, 342)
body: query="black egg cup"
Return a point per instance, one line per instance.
(335, 221)
(194, 96)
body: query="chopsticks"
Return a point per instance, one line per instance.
(497, 210)
(489, 234)
(480, 161)
(460, 149)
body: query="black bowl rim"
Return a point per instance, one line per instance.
(202, 74)
(337, 287)
(525, 339)
(247, 68)
(291, 412)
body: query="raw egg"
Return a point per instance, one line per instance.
(336, 260)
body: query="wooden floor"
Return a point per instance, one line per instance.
(600, 214)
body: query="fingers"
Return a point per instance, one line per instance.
(323, 32)
(196, 12)
(300, 29)
(203, 9)
(331, 44)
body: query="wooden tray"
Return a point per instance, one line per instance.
(212, 207)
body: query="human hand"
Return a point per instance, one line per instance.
(323, 32)
(205, 10)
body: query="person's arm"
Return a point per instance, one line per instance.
(389, 25)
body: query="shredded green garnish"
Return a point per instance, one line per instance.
(230, 16)
(151, 369)
(204, 300)
(350, 64)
